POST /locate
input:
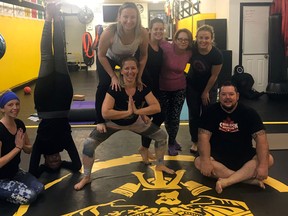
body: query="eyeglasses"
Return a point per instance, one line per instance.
(183, 40)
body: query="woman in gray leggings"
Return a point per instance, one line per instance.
(125, 111)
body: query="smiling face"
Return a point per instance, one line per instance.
(11, 108)
(228, 97)
(129, 71)
(182, 40)
(157, 31)
(128, 19)
(204, 40)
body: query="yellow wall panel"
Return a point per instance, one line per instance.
(21, 61)
(191, 22)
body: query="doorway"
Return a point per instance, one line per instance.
(254, 31)
(73, 38)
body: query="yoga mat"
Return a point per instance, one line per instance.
(82, 112)
(83, 104)
(91, 104)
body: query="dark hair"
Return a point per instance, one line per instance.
(155, 20)
(228, 83)
(189, 34)
(129, 58)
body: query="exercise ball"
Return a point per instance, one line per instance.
(2, 46)
(27, 90)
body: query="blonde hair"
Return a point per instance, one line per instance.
(119, 28)
(5, 91)
(207, 28)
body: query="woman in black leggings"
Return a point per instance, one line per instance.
(52, 96)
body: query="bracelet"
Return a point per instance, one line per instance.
(18, 148)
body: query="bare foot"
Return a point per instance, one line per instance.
(50, 11)
(85, 180)
(144, 154)
(163, 168)
(256, 182)
(219, 186)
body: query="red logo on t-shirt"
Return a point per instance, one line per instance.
(228, 126)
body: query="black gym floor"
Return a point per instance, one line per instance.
(122, 185)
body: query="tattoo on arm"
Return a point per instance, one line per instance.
(258, 133)
(203, 131)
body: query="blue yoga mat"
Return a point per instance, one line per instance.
(184, 112)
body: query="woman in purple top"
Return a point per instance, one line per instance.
(172, 83)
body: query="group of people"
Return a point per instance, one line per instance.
(150, 89)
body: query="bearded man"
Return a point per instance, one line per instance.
(225, 137)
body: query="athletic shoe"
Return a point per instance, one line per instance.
(172, 150)
(177, 146)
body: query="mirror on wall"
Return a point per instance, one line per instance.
(2, 46)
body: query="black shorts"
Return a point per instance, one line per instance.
(234, 161)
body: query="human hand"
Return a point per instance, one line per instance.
(131, 105)
(139, 84)
(145, 119)
(205, 98)
(101, 128)
(19, 138)
(206, 168)
(261, 173)
(115, 83)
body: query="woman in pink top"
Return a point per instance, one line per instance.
(172, 83)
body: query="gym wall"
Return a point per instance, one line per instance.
(21, 62)
(191, 22)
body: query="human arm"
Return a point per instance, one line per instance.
(215, 70)
(27, 147)
(204, 149)
(109, 112)
(152, 108)
(143, 47)
(105, 42)
(75, 164)
(35, 158)
(19, 142)
(262, 151)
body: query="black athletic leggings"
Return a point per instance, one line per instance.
(52, 96)
(53, 90)
(102, 88)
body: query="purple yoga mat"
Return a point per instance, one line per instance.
(82, 104)
(82, 112)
